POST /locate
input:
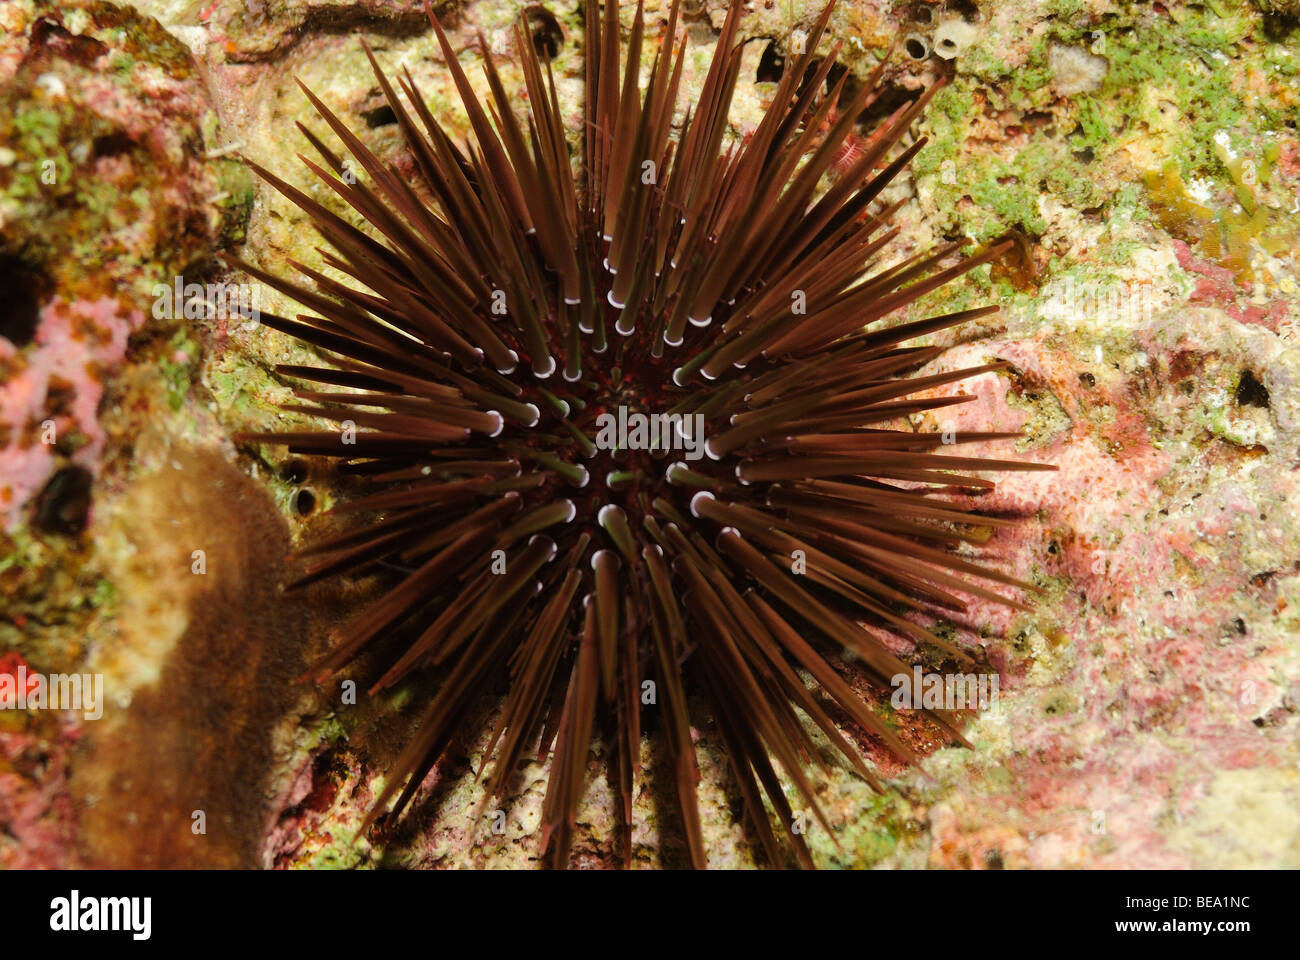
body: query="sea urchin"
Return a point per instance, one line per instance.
(630, 419)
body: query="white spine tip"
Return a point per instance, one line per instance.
(701, 323)
(537, 414)
(631, 328)
(699, 498)
(541, 536)
(586, 478)
(510, 367)
(545, 370)
(572, 377)
(607, 510)
(711, 450)
(678, 377)
(741, 477)
(671, 342)
(614, 303)
(501, 423)
(573, 511)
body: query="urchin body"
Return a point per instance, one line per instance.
(629, 419)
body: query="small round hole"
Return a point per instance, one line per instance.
(548, 36)
(63, 507)
(303, 502)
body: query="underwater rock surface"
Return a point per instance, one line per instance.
(1144, 156)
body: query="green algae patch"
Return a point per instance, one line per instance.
(179, 365)
(103, 184)
(341, 852)
(987, 194)
(51, 596)
(870, 838)
(1182, 63)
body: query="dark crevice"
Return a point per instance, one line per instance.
(63, 507)
(381, 116)
(112, 145)
(771, 65)
(1250, 392)
(49, 34)
(548, 35)
(891, 97)
(22, 292)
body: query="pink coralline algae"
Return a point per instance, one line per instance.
(1159, 678)
(34, 803)
(37, 811)
(49, 401)
(1217, 285)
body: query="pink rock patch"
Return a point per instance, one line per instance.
(76, 346)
